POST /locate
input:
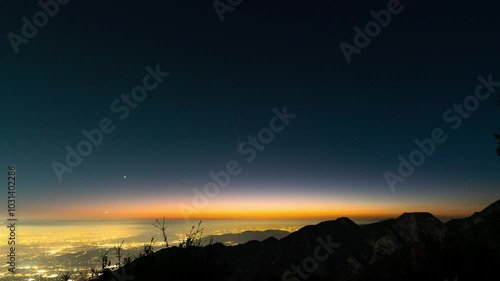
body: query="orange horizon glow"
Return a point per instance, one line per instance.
(253, 206)
(238, 212)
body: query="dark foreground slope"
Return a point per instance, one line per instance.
(415, 246)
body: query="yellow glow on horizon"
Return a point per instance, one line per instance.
(247, 207)
(319, 211)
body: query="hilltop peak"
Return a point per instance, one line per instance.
(416, 215)
(413, 225)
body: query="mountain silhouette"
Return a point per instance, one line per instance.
(243, 237)
(414, 246)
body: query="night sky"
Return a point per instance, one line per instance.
(352, 120)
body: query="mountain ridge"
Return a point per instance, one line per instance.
(413, 246)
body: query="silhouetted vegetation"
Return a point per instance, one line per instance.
(128, 259)
(413, 247)
(184, 262)
(163, 228)
(148, 249)
(118, 252)
(193, 238)
(65, 276)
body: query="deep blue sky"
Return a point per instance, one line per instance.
(226, 77)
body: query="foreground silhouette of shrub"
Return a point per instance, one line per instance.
(65, 276)
(163, 228)
(177, 263)
(192, 260)
(184, 262)
(118, 252)
(148, 249)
